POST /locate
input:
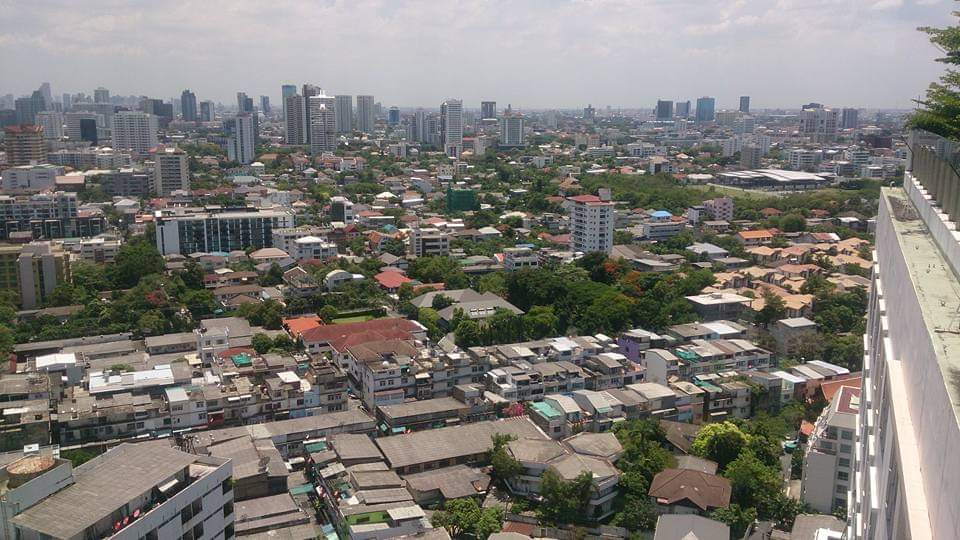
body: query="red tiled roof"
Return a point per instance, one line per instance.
(299, 325)
(830, 388)
(391, 279)
(340, 336)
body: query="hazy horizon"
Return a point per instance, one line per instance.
(535, 54)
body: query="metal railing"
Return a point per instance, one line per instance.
(935, 162)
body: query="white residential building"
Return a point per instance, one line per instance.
(52, 124)
(135, 131)
(30, 177)
(591, 223)
(147, 490)
(241, 143)
(520, 257)
(828, 461)
(451, 127)
(511, 129)
(323, 124)
(312, 247)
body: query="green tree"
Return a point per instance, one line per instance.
(940, 110)
(540, 322)
(440, 301)
(468, 333)
(430, 319)
(636, 514)
(283, 342)
(328, 313)
(736, 517)
(274, 276)
(261, 343)
(752, 483)
(458, 516)
(505, 467)
(395, 247)
(135, 259)
(721, 442)
(774, 309)
(491, 521)
(494, 282)
(564, 501)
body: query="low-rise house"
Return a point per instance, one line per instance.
(687, 491)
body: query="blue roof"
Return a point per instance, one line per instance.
(661, 214)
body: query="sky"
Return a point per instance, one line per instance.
(532, 54)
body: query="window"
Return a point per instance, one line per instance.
(843, 476)
(841, 488)
(152, 535)
(845, 448)
(846, 435)
(198, 530)
(844, 462)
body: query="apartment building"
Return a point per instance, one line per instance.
(47, 215)
(591, 222)
(147, 490)
(429, 242)
(516, 258)
(170, 170)
(26, 178)
(217, 230)
(33, 270)
(828, 461)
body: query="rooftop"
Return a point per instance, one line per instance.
(105, 484)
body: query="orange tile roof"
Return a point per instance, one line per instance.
(299, 325)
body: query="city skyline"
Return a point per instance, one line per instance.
(865, 54)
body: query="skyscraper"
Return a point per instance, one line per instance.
(745, 104)
(101, 95)
(295, 120)
(849, 118)
(344, 109)
(488, 110)
(393, 116)
(323, 123)
(706, 109)
(28, 107)
(664, 109)
(134, 130)
(589, 113)
(451, 127)
(905, 474)
(52, 124)
(511, 129)
(288, 90)
(241, 138)
(365, 114)
(206, 111)
(24, 144)
(188, 106)
(416, 129)
(682, 109)
(265, 104)
(244, 103)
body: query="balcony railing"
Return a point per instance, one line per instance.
(934, 162)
